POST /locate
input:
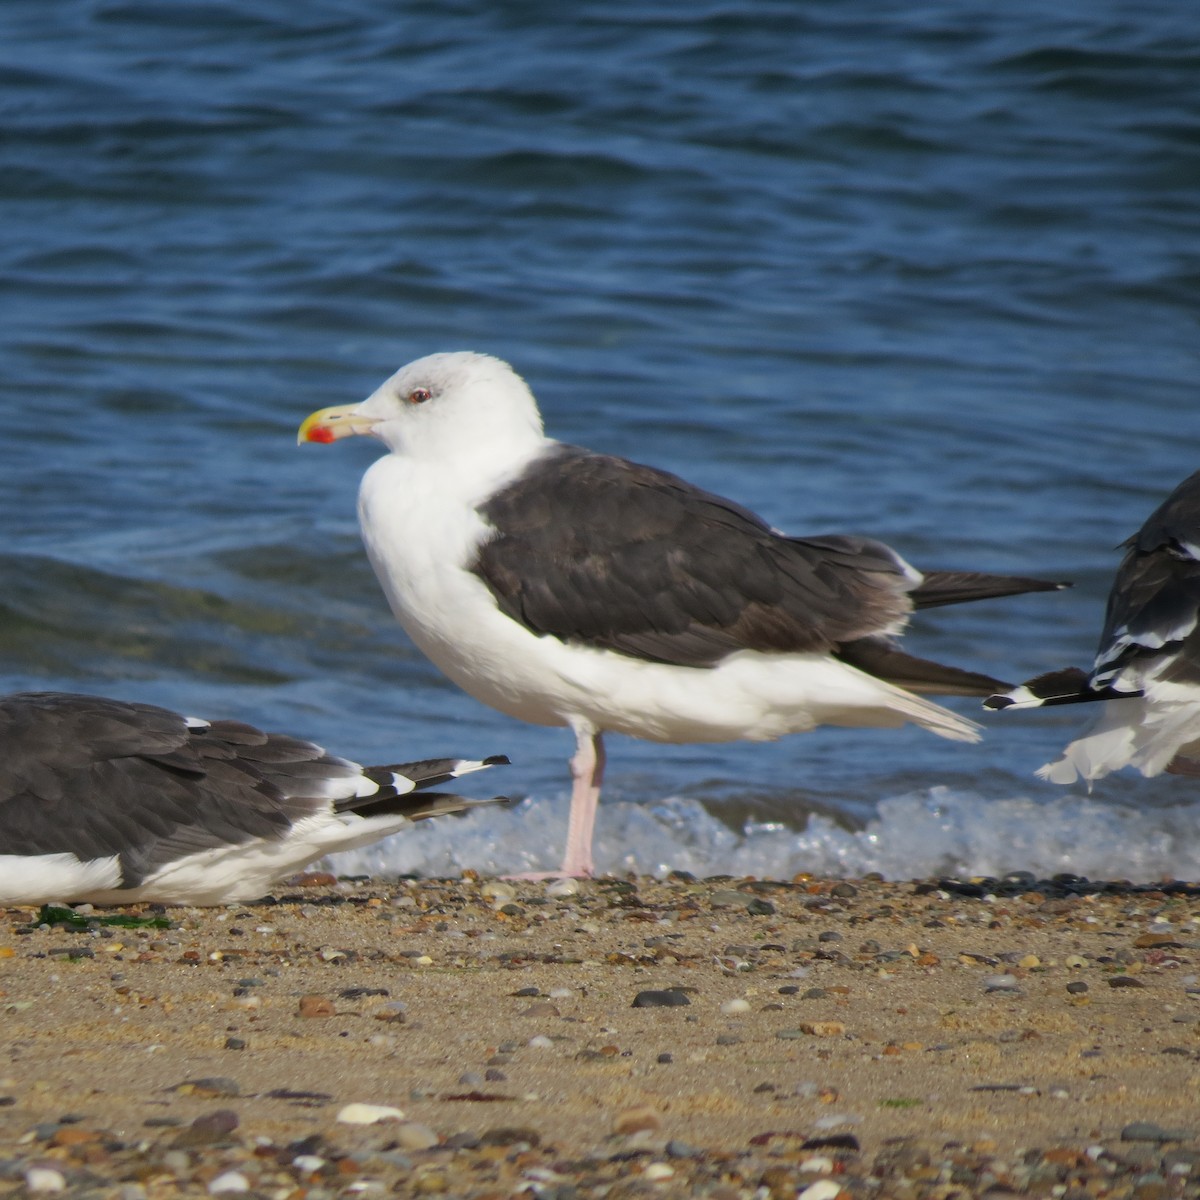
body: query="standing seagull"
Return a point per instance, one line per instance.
(1147, 669)
(112, 802)
(565, 587)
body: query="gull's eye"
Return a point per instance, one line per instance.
(419, 395)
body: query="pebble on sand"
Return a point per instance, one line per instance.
(665, 998)
(642, 1119)
(229, 1181)
(45, 1179)
(368, 1114)
(823, 1189)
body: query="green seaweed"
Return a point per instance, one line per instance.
(52, 914)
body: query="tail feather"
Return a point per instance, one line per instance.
(430, 772)
(401, 787)
(422, 806)
(1067, 686)
(932, 716)
(885, 660)
(959, 587)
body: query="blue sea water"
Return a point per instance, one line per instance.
(928, 271)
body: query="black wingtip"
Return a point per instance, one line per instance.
(999, 702)
(497, 760)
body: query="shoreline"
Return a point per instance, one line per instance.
(855, 1034)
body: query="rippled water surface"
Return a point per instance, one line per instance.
(928, 271)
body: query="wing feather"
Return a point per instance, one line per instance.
(603, 552)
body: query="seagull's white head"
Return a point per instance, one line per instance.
(443, 407)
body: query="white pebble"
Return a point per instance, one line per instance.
(231, 1181)
(823, 1189)
(1000, 983)
(656, 1171)
(818, 1164)
(308, 1163)
(368, 1114)
(560, 994)
(736, 1006)
(541, 1042)
(498, 894)
(563, 887)
(412, 1136)
(835, 1119)
(45, 1179)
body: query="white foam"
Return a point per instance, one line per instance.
(938, 831)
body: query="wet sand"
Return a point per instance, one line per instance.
(915, 1038)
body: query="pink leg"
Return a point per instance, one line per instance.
(587, 774)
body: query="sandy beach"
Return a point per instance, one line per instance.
(720, 1037)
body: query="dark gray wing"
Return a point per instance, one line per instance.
(96, 777)
(881, 657)
(608, 553)
(1153, 615)
(1152, 621)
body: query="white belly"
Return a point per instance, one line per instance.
(420, 527)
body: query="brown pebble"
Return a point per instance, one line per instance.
(207, 1130)
(316, 1006)
(1064, 1156)
(510, 1135)
(637, 1120)
(211, 1086)
(823, 1028)
(432, 1184)
(72, 1135)
(783, 1183)
(1161, 941)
